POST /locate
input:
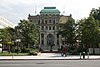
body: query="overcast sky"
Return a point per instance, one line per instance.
(14, 10)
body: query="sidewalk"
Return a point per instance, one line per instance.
(49, 56)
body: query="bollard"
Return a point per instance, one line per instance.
(80, 55)
(83, 55)
(88, 55)
(12, 56)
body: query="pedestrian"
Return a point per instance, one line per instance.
(65, 51)
(62, 49)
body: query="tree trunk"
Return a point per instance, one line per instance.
(9, 48)
(93, 49)
(2, 48)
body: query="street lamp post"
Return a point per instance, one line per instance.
(63, 41)
(17, 41)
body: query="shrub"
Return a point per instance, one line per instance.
(32, 53)
(25, 50)
(17, 50)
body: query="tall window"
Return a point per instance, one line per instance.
(42, 42)
(49, 27)
(58, 42)
(57, 35)
(45, 21)
(38, 21)
(53, 27)
(54, 21)
(42, 27)
(42, 39)
(42, 35)
(49, 21)
(42, 21)
(46, 28)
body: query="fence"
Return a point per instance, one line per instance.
(96, 50)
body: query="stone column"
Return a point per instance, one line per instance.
(60, 41)
(55, 41)
(45, 41)
(47, 47)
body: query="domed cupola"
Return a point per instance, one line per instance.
(50, 11)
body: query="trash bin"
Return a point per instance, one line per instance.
(83, 55)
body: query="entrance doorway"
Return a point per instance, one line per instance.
(50, 41)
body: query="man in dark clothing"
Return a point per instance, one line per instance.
(62, 49)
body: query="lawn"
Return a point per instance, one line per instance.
(10, 54)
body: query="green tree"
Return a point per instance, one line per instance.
(96, 14)
(7, 37)
(27, 32)
(88, 32)
(68, 31)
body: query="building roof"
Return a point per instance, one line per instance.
(5, 23)
(63, 19)
(50, 10)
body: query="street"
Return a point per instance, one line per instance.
(49, 63)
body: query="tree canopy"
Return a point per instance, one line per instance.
(27, 32)
(67, 31)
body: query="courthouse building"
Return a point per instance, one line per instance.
(48, 24)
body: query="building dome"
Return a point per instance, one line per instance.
(50, 10)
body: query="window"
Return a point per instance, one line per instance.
(45, 21)
(38, 21)
(46, 28)
(42, 27)
(49, 21)
(57, 35)
(42, 35)
(42, 42)
(57, 42)
(49, 28)
(53, 21)
(53, 27)
(42, 21)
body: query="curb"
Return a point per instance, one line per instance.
(50, 59)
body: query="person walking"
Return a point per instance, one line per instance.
(65, 51)
(62, 50)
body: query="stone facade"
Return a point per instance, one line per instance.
(48, 24)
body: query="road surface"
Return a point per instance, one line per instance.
(49, 63)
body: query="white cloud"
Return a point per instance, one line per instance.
(14, 10)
